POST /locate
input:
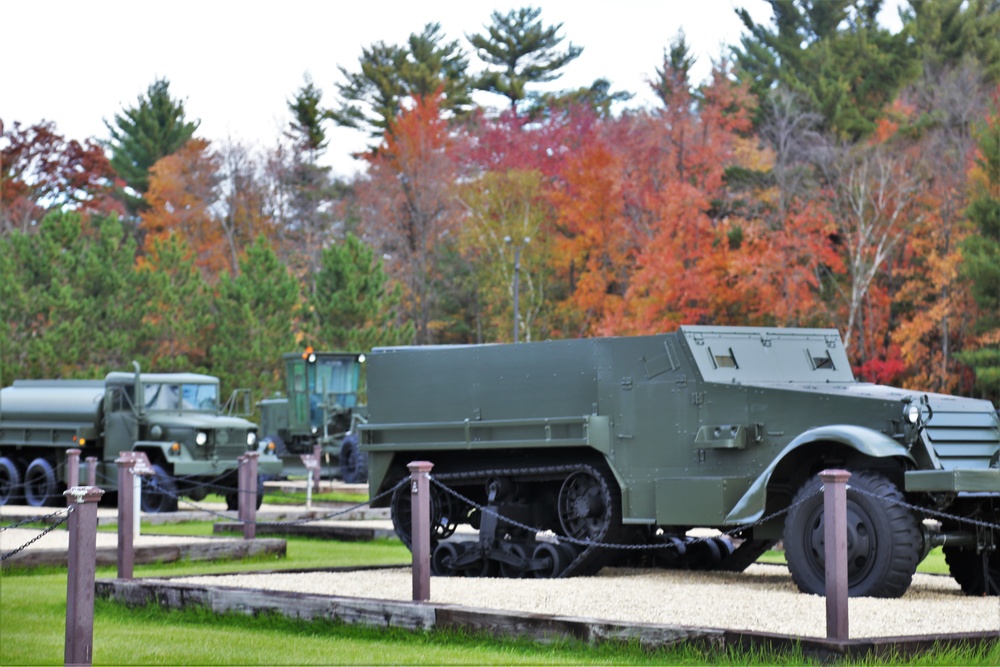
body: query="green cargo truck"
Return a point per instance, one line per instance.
(637, 441)
(175, 418)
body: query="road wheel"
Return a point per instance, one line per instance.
(159, 492)
(10, 481)
(883, 538)
(972, 574)
(39, 483)
(353, 461)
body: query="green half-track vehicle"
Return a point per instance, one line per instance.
(192, 442)
(638, 441)
(321, 407)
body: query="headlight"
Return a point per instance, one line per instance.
(201, 438)
(912, 413)
(251, 438)
(156, 432)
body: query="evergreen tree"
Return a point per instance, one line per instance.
(950, 31)
(982, 261)
(834, 53)
(308, 195)
(519, 51)
(255, 322)
(72, 306)
(354, 308)
(390, 74)
(141, 135)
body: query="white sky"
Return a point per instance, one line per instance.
(236, 64)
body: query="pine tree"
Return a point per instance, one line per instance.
(354, 308)
(255, 322)
(141, 135)
(982, 260)
(390, 74)
(519, 51)
(834, 53)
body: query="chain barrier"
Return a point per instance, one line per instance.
(929, 512)
(294, 522)
(42, 534)
(39, 519)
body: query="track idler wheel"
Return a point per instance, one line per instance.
(513, 561)
(707, 553)
(549, 560)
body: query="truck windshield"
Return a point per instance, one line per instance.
(165, 396)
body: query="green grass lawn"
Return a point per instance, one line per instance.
(33, 608)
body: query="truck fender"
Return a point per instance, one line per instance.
(871, 443)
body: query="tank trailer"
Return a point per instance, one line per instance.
(575, 444)
(175, 418)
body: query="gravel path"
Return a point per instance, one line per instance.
(763, 599)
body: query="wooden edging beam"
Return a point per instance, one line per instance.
(430, 616)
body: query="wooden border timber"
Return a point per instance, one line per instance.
(430, 616)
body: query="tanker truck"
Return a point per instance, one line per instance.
(565, 453)
(175, 418)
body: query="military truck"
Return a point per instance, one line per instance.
(175, 418)
(575, 444)
(320, 408)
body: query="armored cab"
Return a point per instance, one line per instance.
(600, 443)
(175, 418)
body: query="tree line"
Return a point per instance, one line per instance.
(829, 172)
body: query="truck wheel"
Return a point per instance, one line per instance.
(159, 492)
(10, 481)
(353, 461)
(39, 483)
(233, 497)
(883, 538)
(968, 569)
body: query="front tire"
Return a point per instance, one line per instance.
(967, 568)
(159, 492)
(883, 538)
(353, 461)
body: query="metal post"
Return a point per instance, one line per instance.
(420, 527)
(91, 471)
(72, 470)
(80, 574)
(136, 506)
(126, 510)
(248, 494)
(309, 490)
(318, 453)
(835, 537)
(517, 300)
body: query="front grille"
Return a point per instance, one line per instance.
(964, 440)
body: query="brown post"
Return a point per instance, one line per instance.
(72, 470)
(318, 453)
(420, 527)
(91, 471)
(248, 494)
(126, 519)
(80, 574)
(835, 536)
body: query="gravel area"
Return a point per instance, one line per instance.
(763, 598)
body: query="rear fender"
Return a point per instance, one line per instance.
(862, 440)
